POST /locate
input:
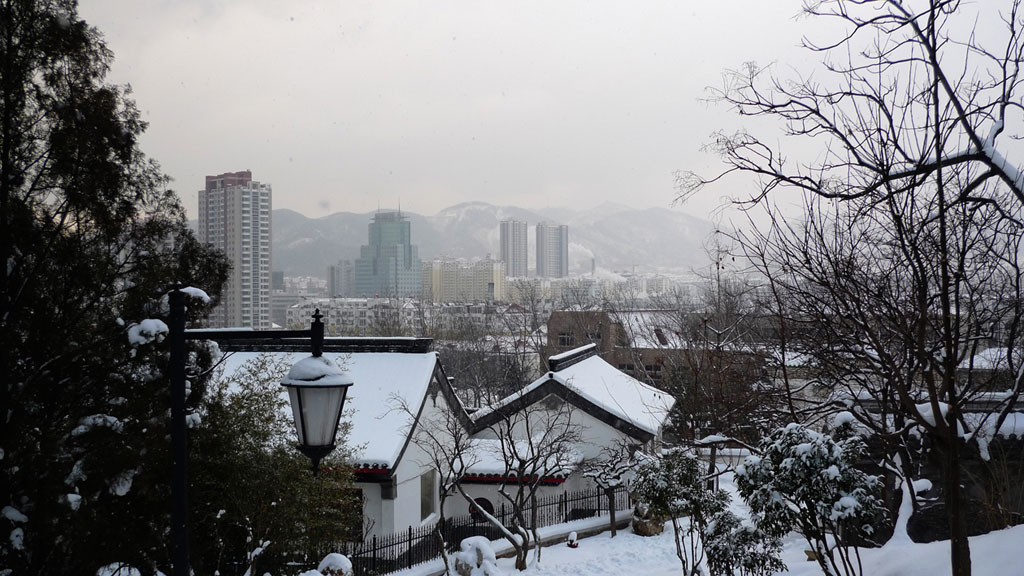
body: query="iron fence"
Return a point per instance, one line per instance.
(388, 553)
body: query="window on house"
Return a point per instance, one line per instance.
(565, 339)
(428, 487)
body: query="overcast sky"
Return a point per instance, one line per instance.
(347, 106)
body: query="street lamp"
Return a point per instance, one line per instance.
(317, 389)
(316, 386)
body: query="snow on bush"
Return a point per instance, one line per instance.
(806, 481)
(335, 565)
(736, 548)
(118, 569)
(14, 515)
(89, 423)
(673, 487)
(476, 558)
(122, 483)
(197, 293)
(17, 538)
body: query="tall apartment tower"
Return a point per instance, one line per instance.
(552, 250)
(341, 279)
(234, 216)
(513, 248)
(388, 265)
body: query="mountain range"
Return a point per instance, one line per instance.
(612, 236)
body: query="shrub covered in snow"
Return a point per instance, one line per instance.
(335, 565)
(674, 487)
(736, 548)
(476, 558)
(806, 481)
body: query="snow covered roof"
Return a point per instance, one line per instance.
(378, 431)
(651, 328)
(987, 359)
(620, 394)
(600, 385)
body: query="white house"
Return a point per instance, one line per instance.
(398, 483)
(608, 407)
(398, 488)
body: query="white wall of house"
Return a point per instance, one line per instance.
(405, 510)
(456, 505)
(596, 435)
(373, 515)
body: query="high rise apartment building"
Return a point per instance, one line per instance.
(552, 250)
(448, 281)
(341, 279)
(234, 217)
(513, 249)
(388, 265)
(441, 281)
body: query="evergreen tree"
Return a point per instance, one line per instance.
(251, 490)
(92, 239)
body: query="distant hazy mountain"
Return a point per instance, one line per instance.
(617, 237)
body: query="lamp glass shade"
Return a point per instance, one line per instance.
(316, 388)
(317, 410)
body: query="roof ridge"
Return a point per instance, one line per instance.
(559, 362)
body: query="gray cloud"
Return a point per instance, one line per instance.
(347, 106)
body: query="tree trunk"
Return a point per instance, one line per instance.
(711, 467)
(610, 492)
(959, 546)
(439, 533)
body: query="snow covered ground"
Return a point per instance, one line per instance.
(997, 554)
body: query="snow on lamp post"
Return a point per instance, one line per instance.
(317, 388)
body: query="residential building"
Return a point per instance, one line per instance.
(489, 280)
(513, 249)
(447, 280)
(389, 264)
(552, 250)
(294, 289)
(234, 217)
(341, 279)
(440, 280)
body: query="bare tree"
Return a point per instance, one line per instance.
(611, 470)
(533, 442)
(906, 303)
(914, 92)
(443, 436)
(909, 116)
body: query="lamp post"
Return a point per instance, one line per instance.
(316, 387)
